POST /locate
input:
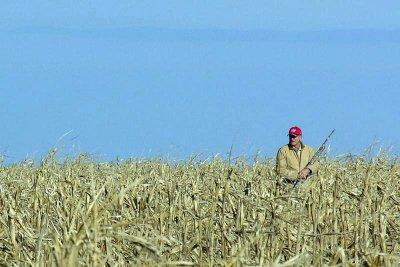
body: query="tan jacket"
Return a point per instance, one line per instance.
(289, 164)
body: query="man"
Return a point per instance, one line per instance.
(292, 159)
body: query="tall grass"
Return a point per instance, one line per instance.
(82, 212)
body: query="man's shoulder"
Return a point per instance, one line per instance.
(307, 147)
(283, 149)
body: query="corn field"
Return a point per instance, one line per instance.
(153, 212)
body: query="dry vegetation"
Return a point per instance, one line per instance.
(198, 213)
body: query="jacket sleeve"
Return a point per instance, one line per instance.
(281, 167)
(315, 166)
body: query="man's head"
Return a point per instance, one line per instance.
(295, 135)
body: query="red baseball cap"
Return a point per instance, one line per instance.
(295, 131)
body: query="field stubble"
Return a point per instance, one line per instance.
(82, 212)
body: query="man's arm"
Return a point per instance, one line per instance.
(311, 167)
(281, 167)
(314, 166)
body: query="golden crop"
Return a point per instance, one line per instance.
(150, 212)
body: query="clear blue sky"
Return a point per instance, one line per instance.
(176, 78)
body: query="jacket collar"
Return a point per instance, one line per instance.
(301, 146)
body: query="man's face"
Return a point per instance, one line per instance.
(294, 140)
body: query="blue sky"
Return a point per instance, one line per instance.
(146, 79)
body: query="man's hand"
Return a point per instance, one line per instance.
(304, 173)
